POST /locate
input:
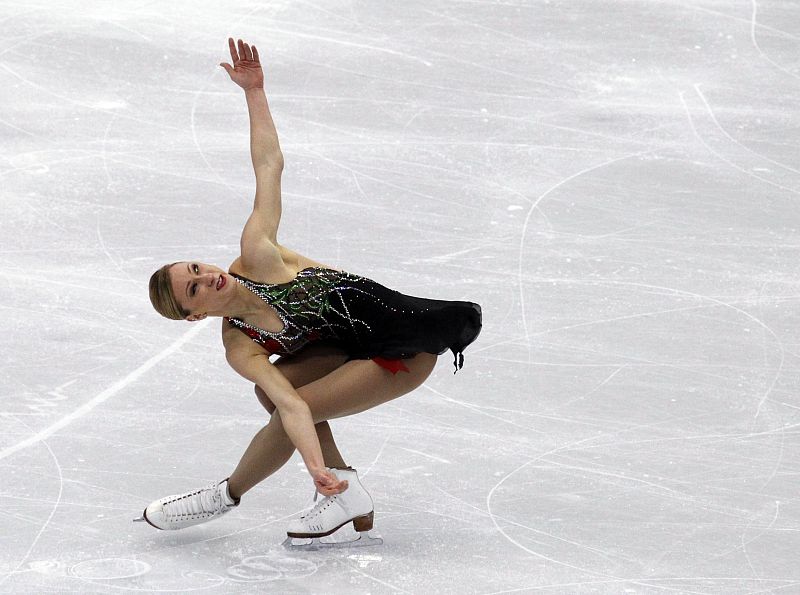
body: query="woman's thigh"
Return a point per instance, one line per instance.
(359, 385)
(312, 363)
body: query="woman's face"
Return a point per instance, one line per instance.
(203, 289)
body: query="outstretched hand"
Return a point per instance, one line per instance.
(328, 484)
(246, 70)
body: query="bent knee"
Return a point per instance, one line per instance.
(264, 400)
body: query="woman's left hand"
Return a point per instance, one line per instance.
(327, 483)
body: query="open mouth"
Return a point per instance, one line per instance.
(221, 282)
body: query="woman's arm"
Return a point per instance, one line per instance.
(251, 362)
(265, 151)
(295, 413)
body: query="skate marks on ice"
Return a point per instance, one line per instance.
(753, 26)
(535, 205)
(718, 141)
(268, 567)
(92, 569)
(103, 396)
(271, 567)
(109, 569)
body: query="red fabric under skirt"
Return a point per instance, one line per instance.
(393, 365)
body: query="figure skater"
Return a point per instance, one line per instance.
(346, 343)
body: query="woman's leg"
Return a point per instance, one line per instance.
(303, 368)
(330, 452)
(359, 385)
(351, 388)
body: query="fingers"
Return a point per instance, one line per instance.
(232, 47)
(329, 485)
(245, 51)
(334, 489)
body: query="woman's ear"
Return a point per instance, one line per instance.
(196, 317)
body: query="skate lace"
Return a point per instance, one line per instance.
(311, 506)
(206, 501)
(322, 504)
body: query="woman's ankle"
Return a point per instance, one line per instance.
(235, 491)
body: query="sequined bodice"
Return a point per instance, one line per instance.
(304, 306)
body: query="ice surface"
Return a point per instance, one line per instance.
(616, 182)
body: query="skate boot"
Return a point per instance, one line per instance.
(331, 513)
(184, 510)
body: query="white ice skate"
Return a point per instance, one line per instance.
(192, 508)
(331, 514)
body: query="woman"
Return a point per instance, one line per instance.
(346, 343)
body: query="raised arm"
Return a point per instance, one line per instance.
(265, 149)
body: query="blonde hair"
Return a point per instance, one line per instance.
(163, 298)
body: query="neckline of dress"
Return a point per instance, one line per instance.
(245, 282)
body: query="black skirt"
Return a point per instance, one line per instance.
(401, 326)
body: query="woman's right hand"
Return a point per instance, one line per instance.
(327, 483)
(246, 70)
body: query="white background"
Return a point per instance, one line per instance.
(615, 182)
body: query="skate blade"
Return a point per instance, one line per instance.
(141, 519)
(312, 544)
